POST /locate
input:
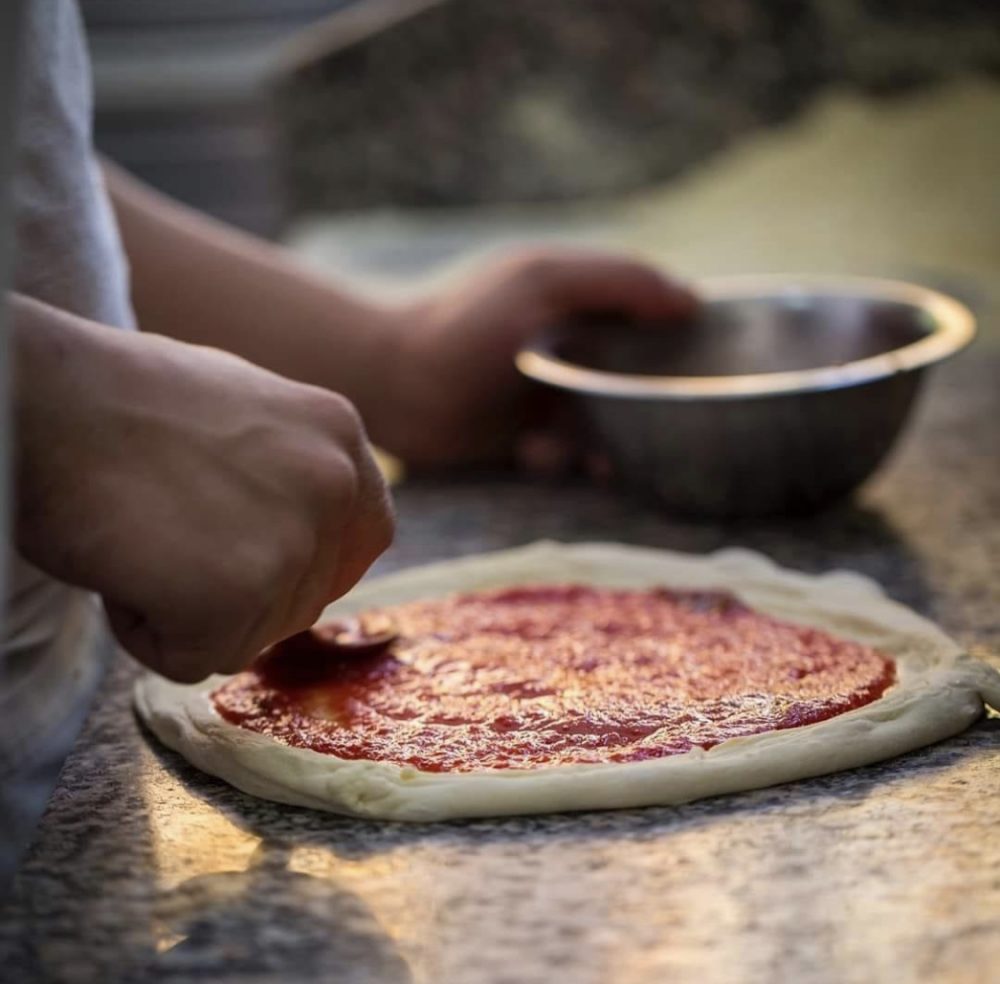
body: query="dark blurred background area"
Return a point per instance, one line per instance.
(473, 101)
(180, 91)
(719, 136)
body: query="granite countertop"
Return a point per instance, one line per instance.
(145, 870)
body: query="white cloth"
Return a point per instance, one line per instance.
(68, 254)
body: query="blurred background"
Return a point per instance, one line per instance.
(386, 138)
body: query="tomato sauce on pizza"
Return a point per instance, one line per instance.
(550, 675)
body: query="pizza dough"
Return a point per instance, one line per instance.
(939, 692)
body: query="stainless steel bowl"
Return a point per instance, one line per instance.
(782, 395)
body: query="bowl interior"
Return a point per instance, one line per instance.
(739, 336)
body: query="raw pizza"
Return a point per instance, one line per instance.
(590, 676)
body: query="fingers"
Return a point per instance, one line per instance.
(351, 536)
(371, 528)
(573, 281)
(356, 524)
(323, 520)
(357, 530)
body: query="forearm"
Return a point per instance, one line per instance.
(200, 281)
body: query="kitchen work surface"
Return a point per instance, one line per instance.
(145, 870)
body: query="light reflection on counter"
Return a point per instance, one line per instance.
(215, 876)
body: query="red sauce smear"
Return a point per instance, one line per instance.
(555, 675)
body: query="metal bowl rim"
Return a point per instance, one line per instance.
(954, 329)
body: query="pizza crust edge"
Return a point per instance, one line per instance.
(940, 692)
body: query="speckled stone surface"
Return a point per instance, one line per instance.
(428, 103)
(145, 870)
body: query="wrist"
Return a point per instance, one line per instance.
(49, 355)
(60, 377)
(378, 386)
(398, 406)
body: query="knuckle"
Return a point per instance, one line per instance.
(341, 484)
(328, 483)
(340, 418)
(256, 571)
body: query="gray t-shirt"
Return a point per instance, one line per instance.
(68, 254)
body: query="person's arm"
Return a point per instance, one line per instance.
(216, 507)
(198, 280)
(434, 380)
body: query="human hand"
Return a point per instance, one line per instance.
(214, 506)
(458, 396)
